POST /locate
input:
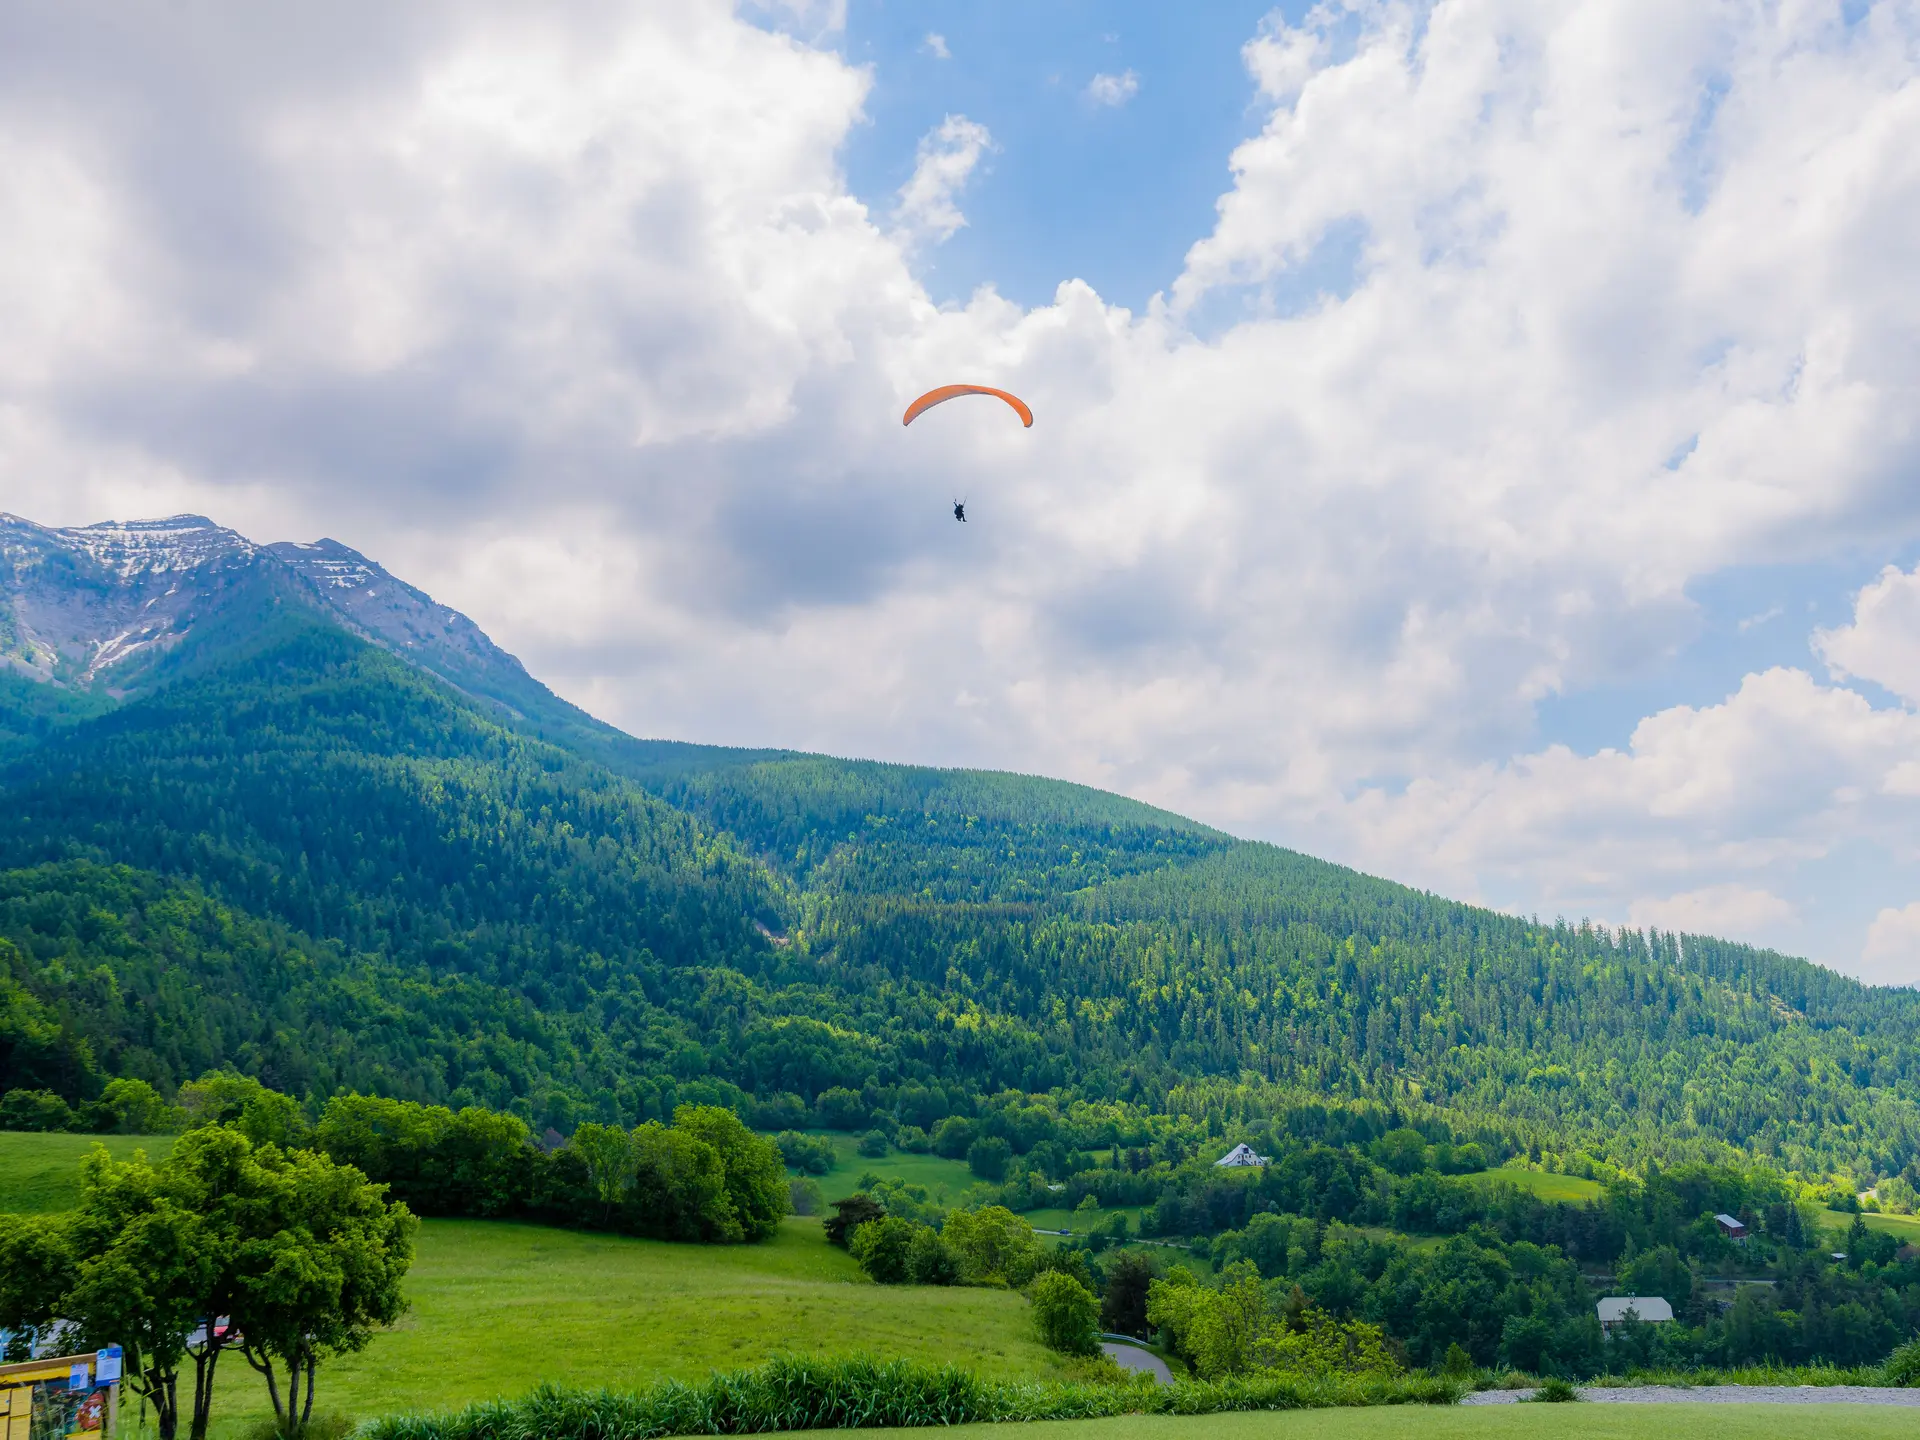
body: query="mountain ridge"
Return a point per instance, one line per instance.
(551, 916)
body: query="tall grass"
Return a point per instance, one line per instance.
(858, 1392)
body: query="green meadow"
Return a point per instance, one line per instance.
(1539, 1182)
(950, 1176)
(498, 1307)
(41, 1173)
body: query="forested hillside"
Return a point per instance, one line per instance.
(296, 851)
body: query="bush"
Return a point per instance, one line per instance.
(1067, 1314)
(35, 1110)
(841, 1109)
(930, 1260)
(881, 1247)
(952, 1137)
(137, 1109)
(874, 1144)
(1903, 1365)
(1555, 1392)
(849, 1215)
(858, 1391)
(810, 1154)
(988, 1158)
(994, 1245)
(913, 1140)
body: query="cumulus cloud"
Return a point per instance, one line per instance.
(1113, 90)
(1883, 642)
(1515, 321)
(928, 211)
(936, 45)
(1892, 953)
(1730, 909)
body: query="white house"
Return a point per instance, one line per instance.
(1241, 1155)
(1649, 1308)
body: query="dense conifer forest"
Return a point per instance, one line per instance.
(301, 856)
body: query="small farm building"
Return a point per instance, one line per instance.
(1731, 1227)
(1650, 1308)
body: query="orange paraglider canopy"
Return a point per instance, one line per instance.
(948, 392)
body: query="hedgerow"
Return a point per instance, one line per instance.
(859, 1392)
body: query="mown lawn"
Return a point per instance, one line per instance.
(499, 1307)
(1478, 1422)
(41, 1173)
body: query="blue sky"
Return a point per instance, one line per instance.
(1111, 194)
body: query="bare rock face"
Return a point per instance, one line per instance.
(98, 603)
(100, 606)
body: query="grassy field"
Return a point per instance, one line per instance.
(1480, 1422)
(936, 1174)
(40, 1173)
(1547, 1187)
(1907, 1227)
(498, 1307)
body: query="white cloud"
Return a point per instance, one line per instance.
(1113, 90)
(1714, 910)
(1891, 955)
(1883, 642)
(1516, 321)
(936, 45)
(928, 212)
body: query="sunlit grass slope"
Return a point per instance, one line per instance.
(1547, 1187)
(498, 1308)
(40, 1173)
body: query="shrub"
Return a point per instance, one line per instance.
(930, 1260)
(874, 1144)
(1903, 1365)
(953, 1137)
(1457, 1362)
(1555, 1392)
(841, 1109)
(810, 1154)
(881, 1247)
(988, 1157)
(849, 1215)
(137, 1109)
(994, 1245)
(1067, 1314)
(857, 1391)
(34, 1110)
(913, 1140)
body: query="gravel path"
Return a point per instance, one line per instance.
(1132, 1357)
(1719, 1395)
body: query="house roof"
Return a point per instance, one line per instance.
(1732, 1222)
(1241, 1155)
(1650, 1308)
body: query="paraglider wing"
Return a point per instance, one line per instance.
(949, 392)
